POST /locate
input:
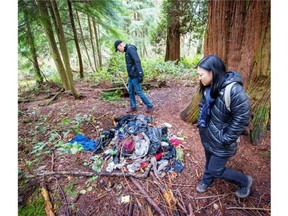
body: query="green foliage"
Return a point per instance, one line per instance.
(192, 15)
(111, 96)
(69, 148)
(36, 207)
(97, 163)
(260, 120)
(38, 148)
(70, 189)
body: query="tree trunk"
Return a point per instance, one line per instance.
(30, 39)
(173, 33)
(92, 43)
(75, 39)
(64, 50)
(47, 26)
(98, 48)
(83, 39)
(239, 33)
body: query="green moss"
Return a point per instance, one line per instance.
(260, 121)
(35, 207)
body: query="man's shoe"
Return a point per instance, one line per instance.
(131, 110)
(202, 187)
(149, 110)
(243, 192)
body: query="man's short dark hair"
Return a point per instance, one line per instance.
(117, 42)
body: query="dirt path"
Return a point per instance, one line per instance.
(106, 195)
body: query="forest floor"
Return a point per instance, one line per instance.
(39, 119)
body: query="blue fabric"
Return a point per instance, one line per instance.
(205, 111)
(135, 86)
(87, 143)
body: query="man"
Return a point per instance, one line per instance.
(135, 73)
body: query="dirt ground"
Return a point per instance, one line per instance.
(107, 193)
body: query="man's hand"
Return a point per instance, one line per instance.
(140, 79)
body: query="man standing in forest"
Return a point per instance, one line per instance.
(135, 73)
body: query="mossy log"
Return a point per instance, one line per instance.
(123, 90)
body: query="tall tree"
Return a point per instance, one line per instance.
(75, 37)
(239, 33)
(47, 26)
(173, 31)
(97, 38)
(83, 40)
(63, 49)
(178, 19)
(30, 39)
(90, 24)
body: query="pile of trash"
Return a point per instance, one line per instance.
(133, 144)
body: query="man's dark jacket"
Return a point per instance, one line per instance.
(225, 126)
(133, 62)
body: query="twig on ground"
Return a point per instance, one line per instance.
(63, 197)
(219, 198)
(191, 213)
(247, 208)
(131, 208)
(208, 197)
(53, 98)
(52, 161)
(89, 174)
(148, 198)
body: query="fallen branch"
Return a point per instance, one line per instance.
(53, 98)
(47, 203)
(149, 200)
(207, 197)
(219, 198)
(191, 213)
(63, 197)
(248, 208)
(90, 174)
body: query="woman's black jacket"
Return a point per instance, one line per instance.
(224, 127)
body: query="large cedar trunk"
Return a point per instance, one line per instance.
(173, 33)
(239, 33)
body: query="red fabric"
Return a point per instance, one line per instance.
(175, 142)
(158, 156)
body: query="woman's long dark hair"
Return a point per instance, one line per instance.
(214, 64)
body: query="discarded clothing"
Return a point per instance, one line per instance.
(87, 143)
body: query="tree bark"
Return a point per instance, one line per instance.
(83, 39)
(92, 42)
(47, 26)
(75, 39)
(173, 33)
(63, 49)
(97, 44)
(30, 39)
(239, 33)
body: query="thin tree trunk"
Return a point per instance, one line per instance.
(64, 49)
(92, 43)
(83, 39)
(75, 39)
(98, 48)
(47, 26)
(30, 40)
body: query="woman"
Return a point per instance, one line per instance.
(219, 128)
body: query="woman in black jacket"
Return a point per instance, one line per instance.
(219, 127)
